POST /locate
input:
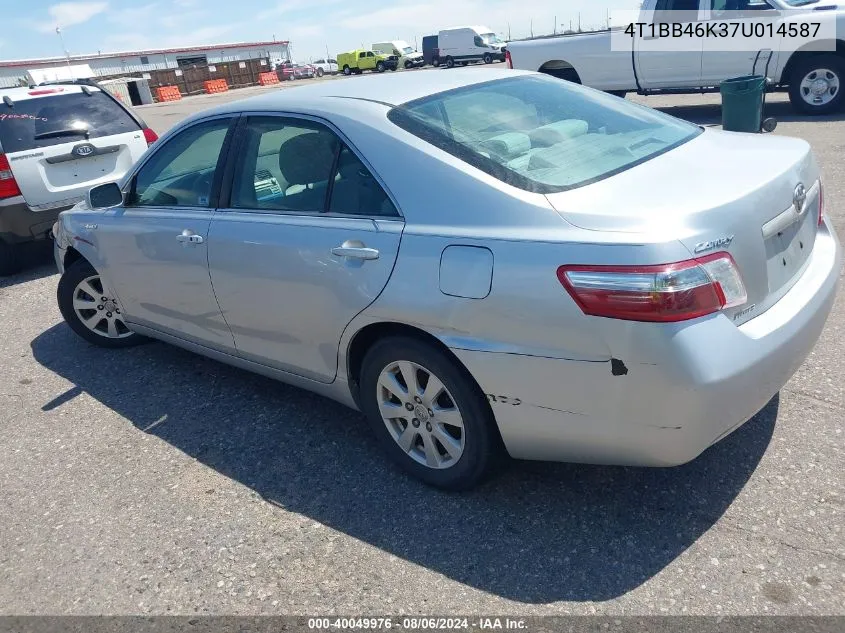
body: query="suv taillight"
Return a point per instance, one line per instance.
(150, 136)
(664, 293)
(508, 59)
(821, 203)
(8, 185)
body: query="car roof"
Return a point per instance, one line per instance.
(389, 89)
(23, 93)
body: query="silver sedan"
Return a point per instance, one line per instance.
(486, 264)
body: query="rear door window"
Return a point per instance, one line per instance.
(542, 134)
(64, 118)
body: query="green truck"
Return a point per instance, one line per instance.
(358, 61)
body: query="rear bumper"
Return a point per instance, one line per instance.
(711, 377)
(19, 223)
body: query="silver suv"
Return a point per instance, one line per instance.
(56, 142)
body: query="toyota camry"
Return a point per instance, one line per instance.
(484, 263)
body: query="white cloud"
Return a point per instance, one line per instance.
(67, 14)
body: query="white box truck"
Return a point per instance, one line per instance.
(408, 57)
(464, 44)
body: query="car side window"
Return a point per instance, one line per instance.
(362, 56)
(355, 191)
(284, 164)
(478, 41)
(180, 173)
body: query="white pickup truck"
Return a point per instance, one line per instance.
(814, 74)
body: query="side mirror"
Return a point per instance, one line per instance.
(105, 196)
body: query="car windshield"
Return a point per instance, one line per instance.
(34, 123)
(490, 38)
(542, 134)
(407, 50)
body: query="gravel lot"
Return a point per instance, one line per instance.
(155, 481)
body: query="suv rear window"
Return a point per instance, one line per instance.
(55, 120)
(542, 134)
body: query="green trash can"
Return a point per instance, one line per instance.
(742, 103)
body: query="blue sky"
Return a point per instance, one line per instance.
(29, 27)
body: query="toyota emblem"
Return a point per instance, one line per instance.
(799, 198)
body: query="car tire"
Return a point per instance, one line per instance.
(435, 61)
(408, 65)
(474, 446)
(347, 71)
(450, 63)
(488, 58)
(380, 67)
(813, 73)
(77, 286)
(319, 72)
(9, 263)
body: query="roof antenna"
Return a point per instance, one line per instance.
(8, 101)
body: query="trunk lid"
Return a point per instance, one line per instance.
(721, 191)
(55, 166)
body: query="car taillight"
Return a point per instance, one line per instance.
(8, 185)
(150, 136)
(508, 59)
(821, 203)
(664, 293)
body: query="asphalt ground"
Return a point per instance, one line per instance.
(155, 481)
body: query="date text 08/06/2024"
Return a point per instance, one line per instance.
(417, 624)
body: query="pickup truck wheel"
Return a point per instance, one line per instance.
(380, 67)
(567, 74)
(816, 83)
(435, 61)
(450, 63)
(347, 70)
(319, 72)
(488, 58)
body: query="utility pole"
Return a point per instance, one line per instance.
(509, 31)
(532, 27)
(327, 53)
(579, 21)
(555, 29)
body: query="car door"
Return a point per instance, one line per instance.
(670, 62)
(308, 241)
(155, 245)
(724, 58)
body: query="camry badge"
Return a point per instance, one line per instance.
(703, 247)
(799, 198)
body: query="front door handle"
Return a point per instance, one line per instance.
(189, 237)
(353, 249)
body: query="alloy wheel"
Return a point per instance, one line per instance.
(421, 415)
(97, 309)
(819, 87)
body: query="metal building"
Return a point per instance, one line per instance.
(13, 73)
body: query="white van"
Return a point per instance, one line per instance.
(464, 44)
(408, 57)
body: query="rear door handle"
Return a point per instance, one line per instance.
(189, 237)
(355, 250)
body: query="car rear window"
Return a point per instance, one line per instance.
(54, 120)
(542, 134)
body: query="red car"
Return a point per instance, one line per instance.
(289, 70)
